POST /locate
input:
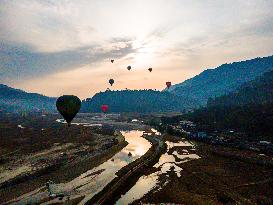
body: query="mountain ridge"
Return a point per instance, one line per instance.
(143, 101)
(222, 79)
(258, 91)
(248, 109)
(189, 94)
(17, 100)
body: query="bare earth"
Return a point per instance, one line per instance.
(42, 149)
(213, 179)
(37, 149)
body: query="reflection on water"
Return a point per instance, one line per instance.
(93, 184)
(143, 185)
(155, 131)
(137, 145)
(61, 121)
(185, 156)
(94, 180)
(167, 163)
(85, 124)
(91, 125)
(90, 184)
(183, 143)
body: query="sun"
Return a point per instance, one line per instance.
(144, 57)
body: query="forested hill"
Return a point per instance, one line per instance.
(142, 101)
(15, 100)
(258, 91)
(249, 109)
(223, 79)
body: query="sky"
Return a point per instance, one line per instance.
(65, 47)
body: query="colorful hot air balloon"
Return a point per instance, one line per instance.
(150, 69)
(169, 84)
(104, 108)
(112, 61)
(111, 81)
(68, 106)
(129, 67)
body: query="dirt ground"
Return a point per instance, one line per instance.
(48, 149)
(214, 180)
(41, 150)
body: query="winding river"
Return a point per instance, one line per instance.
(93, 181)
(167, 163)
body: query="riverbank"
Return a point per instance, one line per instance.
(128, 176)
(91, 163)
(42, 150)
(213, 179)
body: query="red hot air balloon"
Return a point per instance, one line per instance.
(104, 108)
(169, 84)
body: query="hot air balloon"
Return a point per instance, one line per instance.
(104, 108)
(129, 67)
(68, 106)
(150, 69)
(169, 84)
(112, 61)
(111, 81)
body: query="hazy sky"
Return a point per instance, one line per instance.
(59, 47)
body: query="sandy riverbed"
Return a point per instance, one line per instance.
(44, 150)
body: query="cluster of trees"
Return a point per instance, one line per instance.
(249, 109)
(255, 120)
(223, 79)
(141, 101)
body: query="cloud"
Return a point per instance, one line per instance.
(53, 40)
(22, 62)
(47, 26)
(240, 35)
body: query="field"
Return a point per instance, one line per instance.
(213, 179)
(36, 149)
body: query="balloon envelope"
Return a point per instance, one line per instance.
(104, 108)
(111, 81)
(150, 69)
(68, 106)
(129, 67)
(168, 84)
(112, 61)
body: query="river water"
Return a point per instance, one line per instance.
(137, 146)
(93, 181)
(167, 163)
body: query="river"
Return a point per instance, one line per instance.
(94, 180)
(167, 163)
(91, 182)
